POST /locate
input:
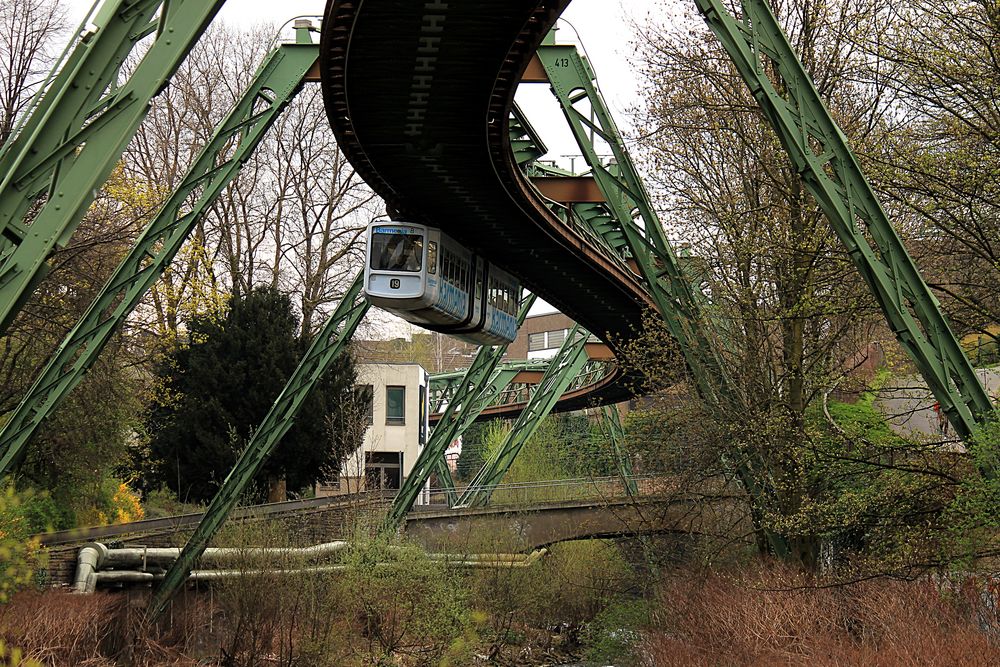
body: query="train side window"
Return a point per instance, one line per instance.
(432, 257)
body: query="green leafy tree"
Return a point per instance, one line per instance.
(217, 389)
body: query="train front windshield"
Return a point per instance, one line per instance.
(392, 251)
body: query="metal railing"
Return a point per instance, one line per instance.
(526, 494)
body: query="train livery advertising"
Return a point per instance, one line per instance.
(427, 278)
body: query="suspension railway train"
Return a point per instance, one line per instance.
(424, 276)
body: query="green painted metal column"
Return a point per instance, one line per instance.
(572, 81)
(447, 481)
(588, 116)
(820, 153)
(78, 129)
(276, 83)
(329, 343)
(479, 385)
(611, 424)
(563, 368)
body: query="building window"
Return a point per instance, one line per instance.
(536, 341)
(366, 396)
(395, 405)
(383, 470)
(556, 338)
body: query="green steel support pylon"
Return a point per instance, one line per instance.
(277, 81)
(480, 383)
(325, 348)
(820, 153)
(78, 128)
(572, 81)
(611, 424)
(570, 359)
(447, 481)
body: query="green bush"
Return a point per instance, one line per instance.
(20, 553)
(615, 631)
(408, 605)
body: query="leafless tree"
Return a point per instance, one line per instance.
(28, 31)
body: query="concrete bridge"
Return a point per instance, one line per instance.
(525, 524)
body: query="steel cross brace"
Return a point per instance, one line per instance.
(444, 386)
(570, 359)
(447, 482)
(278, 80)
(820, 153)
(328, 344)
(611, 424)
(78, 128)
(480, 384)
(572, 82)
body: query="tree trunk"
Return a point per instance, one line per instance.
(276, 490)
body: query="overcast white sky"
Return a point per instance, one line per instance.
(605, 29)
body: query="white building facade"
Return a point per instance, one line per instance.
(397, 432)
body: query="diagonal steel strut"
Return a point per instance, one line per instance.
(678, 303)
(820, 153)
(477, 388)
(78, 129)
(570, 359)
(277, 81)
(329, 343)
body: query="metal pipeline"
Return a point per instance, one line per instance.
(95, 556)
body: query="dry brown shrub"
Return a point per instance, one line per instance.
(765, 616)
(60, 628)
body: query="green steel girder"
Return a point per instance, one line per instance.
(444, 386)
(79, 127)
(447, 481)
(611, 424)
(564, 367)
(479, 386)
(328, 344)
(572, 82)
(277, 81)
(525, 143)
(820, 153)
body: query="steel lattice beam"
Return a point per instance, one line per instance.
(328, 344)
(480, 384)
(611, 424)
(572, 82)
(79, 127)
(278, 80)
(570, 359)
(821, 155)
